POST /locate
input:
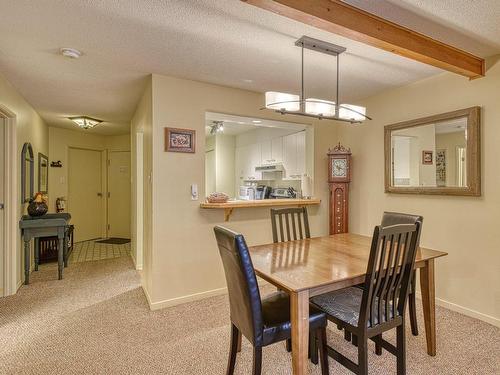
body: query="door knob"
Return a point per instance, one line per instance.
(99, 194)
(1, 206)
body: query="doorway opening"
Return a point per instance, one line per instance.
(99, 203)
(9, 271)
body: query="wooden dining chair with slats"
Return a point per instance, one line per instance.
(290, 224)
(380, 306)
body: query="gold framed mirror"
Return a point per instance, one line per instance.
(438, 154)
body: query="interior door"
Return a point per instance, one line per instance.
(2, 201)
(119, 194)
(85, 193)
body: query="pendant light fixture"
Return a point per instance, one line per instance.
(285, 103)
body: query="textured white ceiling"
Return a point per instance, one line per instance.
(225, 42)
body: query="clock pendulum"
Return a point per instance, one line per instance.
(339, 176)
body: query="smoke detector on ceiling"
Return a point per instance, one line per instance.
(70, 53)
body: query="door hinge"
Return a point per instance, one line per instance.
(109, 226)
(109, 161)
(109, 194)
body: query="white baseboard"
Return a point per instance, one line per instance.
(469, 312)
(138, 266)
(465, 311)
(184, 299)
(148, 298)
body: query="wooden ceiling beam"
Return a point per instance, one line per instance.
(343, 19)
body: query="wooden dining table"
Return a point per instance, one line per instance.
(309, 267)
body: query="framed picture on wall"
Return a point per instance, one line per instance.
(427, 157)
(180, 140)
(43, 173)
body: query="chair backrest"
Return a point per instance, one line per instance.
(244, 296)
(389, 272)
(394, 218)
(289, 224)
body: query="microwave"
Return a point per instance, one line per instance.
(247, 193)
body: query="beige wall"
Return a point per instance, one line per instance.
(60, 140)
(29, 128)
(468, 279)
(186, 262)
(142, 203)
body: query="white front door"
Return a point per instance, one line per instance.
(119, 194)
(85, 193)
(3, 178)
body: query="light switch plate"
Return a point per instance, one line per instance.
(194, 192)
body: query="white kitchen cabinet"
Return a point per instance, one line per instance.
(277, 149)
(294, 155)
(272, 151)
(246, 159)
(266, 152)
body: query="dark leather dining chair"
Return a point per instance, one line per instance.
(380, 306)
(262, 321)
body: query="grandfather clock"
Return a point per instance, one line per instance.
(339, 176)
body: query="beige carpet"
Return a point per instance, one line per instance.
(96, 321)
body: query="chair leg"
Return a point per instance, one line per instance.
(347, 335)
(362, 356)
(401, 349)
(239, 342)
(323, 352)
(289, 345)
(257, 361)
(233, 349)
(412, 304)
(313, 347)
(378, 344)
(354, 340)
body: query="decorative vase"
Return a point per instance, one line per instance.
(37, 207)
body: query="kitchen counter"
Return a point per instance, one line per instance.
(229, 206)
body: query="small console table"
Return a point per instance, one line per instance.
(44, 226)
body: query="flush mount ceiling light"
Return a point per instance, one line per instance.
(70, 53)
(285, 103)
(217, 127)
(85, 122)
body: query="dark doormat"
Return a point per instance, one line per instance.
(115, 240)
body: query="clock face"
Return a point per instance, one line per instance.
(339, 167)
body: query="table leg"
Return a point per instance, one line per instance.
(427, 287)
(65, 250)
(37, 253)
(299, 312)
(27, 261)
(60, 260)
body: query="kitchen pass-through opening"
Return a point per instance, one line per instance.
(253, 158)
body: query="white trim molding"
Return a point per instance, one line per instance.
(469, 312)
(465, 311)
(184, 299)
(11, 203)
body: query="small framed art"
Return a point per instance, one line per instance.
(427, 157)
(180, 140)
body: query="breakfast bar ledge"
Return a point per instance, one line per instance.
(231, 205)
